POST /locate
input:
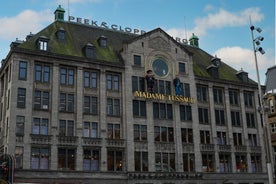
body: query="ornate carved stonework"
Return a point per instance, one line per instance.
(159, 43)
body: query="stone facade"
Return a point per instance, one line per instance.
(64, 141)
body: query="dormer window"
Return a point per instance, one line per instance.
(243, 76)
(216, 61)
(213, 71)
(89, 50)
(102, 41)
(42, 43)
(61, 34)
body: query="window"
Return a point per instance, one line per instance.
(67, 76)
(141, 161)
(91, 159)
(182, 68)
(273, 127)
(18, 155)
(162, 111)
(252, 140)
(90, 105)
(221, 138)
(20, 121)
(185, 112)
(90, 79)
(188, 162)
(66, 159)
(218, 95)
(114, 160)
(138, 83)
(208, 163)
(203, 115)
(256, 164)
(205, 137)
(40, 126)
(165, 162)
(90, 51)
(163, 134)
(22, 70)
(40, 158)
(248, 99)
(235, 118)
(187, 135)
(43, 45)
(224, 163)
(233, 97)
(113, 107)
(102, 41)
(140, 132)
(220, 117)
(112, 82)
(114, 131)
(250, 120)
(90, 129)
(137, 60)
(66, 102)
(139, 108)
(21, 97)
(241, 163)
(186, 89)
(271, 106)
(42, 73)
(66, 128)
(202, 93)
(41, 100)
(163, 87)
(237, 139)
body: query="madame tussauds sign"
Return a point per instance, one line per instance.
(163, 97)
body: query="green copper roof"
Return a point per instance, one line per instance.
(59, 8)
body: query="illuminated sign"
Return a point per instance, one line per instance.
(114, 27)
(163, 97)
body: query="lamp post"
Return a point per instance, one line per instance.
(256, 41)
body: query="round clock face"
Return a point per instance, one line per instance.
(160, 67)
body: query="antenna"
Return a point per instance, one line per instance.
(68, 3)
(185, 27)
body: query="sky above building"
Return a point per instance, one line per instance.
(223, 26)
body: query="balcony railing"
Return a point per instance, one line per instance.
(68, 140)
(241, 148)
(89, 141)
(255, 149)
(167, 146)
(207, 147)
(141, 145)
(115, 143)
(41, 139)
(188, 147)
(224, 148)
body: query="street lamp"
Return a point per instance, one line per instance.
(257, 41)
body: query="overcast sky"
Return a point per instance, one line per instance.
(223, 26)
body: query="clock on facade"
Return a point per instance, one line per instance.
(160, 67)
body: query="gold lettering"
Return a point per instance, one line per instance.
(159, 96)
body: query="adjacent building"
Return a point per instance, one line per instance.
(270, 96)
(94, 103)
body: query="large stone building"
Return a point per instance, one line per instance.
(270, 96)
(91, 103)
